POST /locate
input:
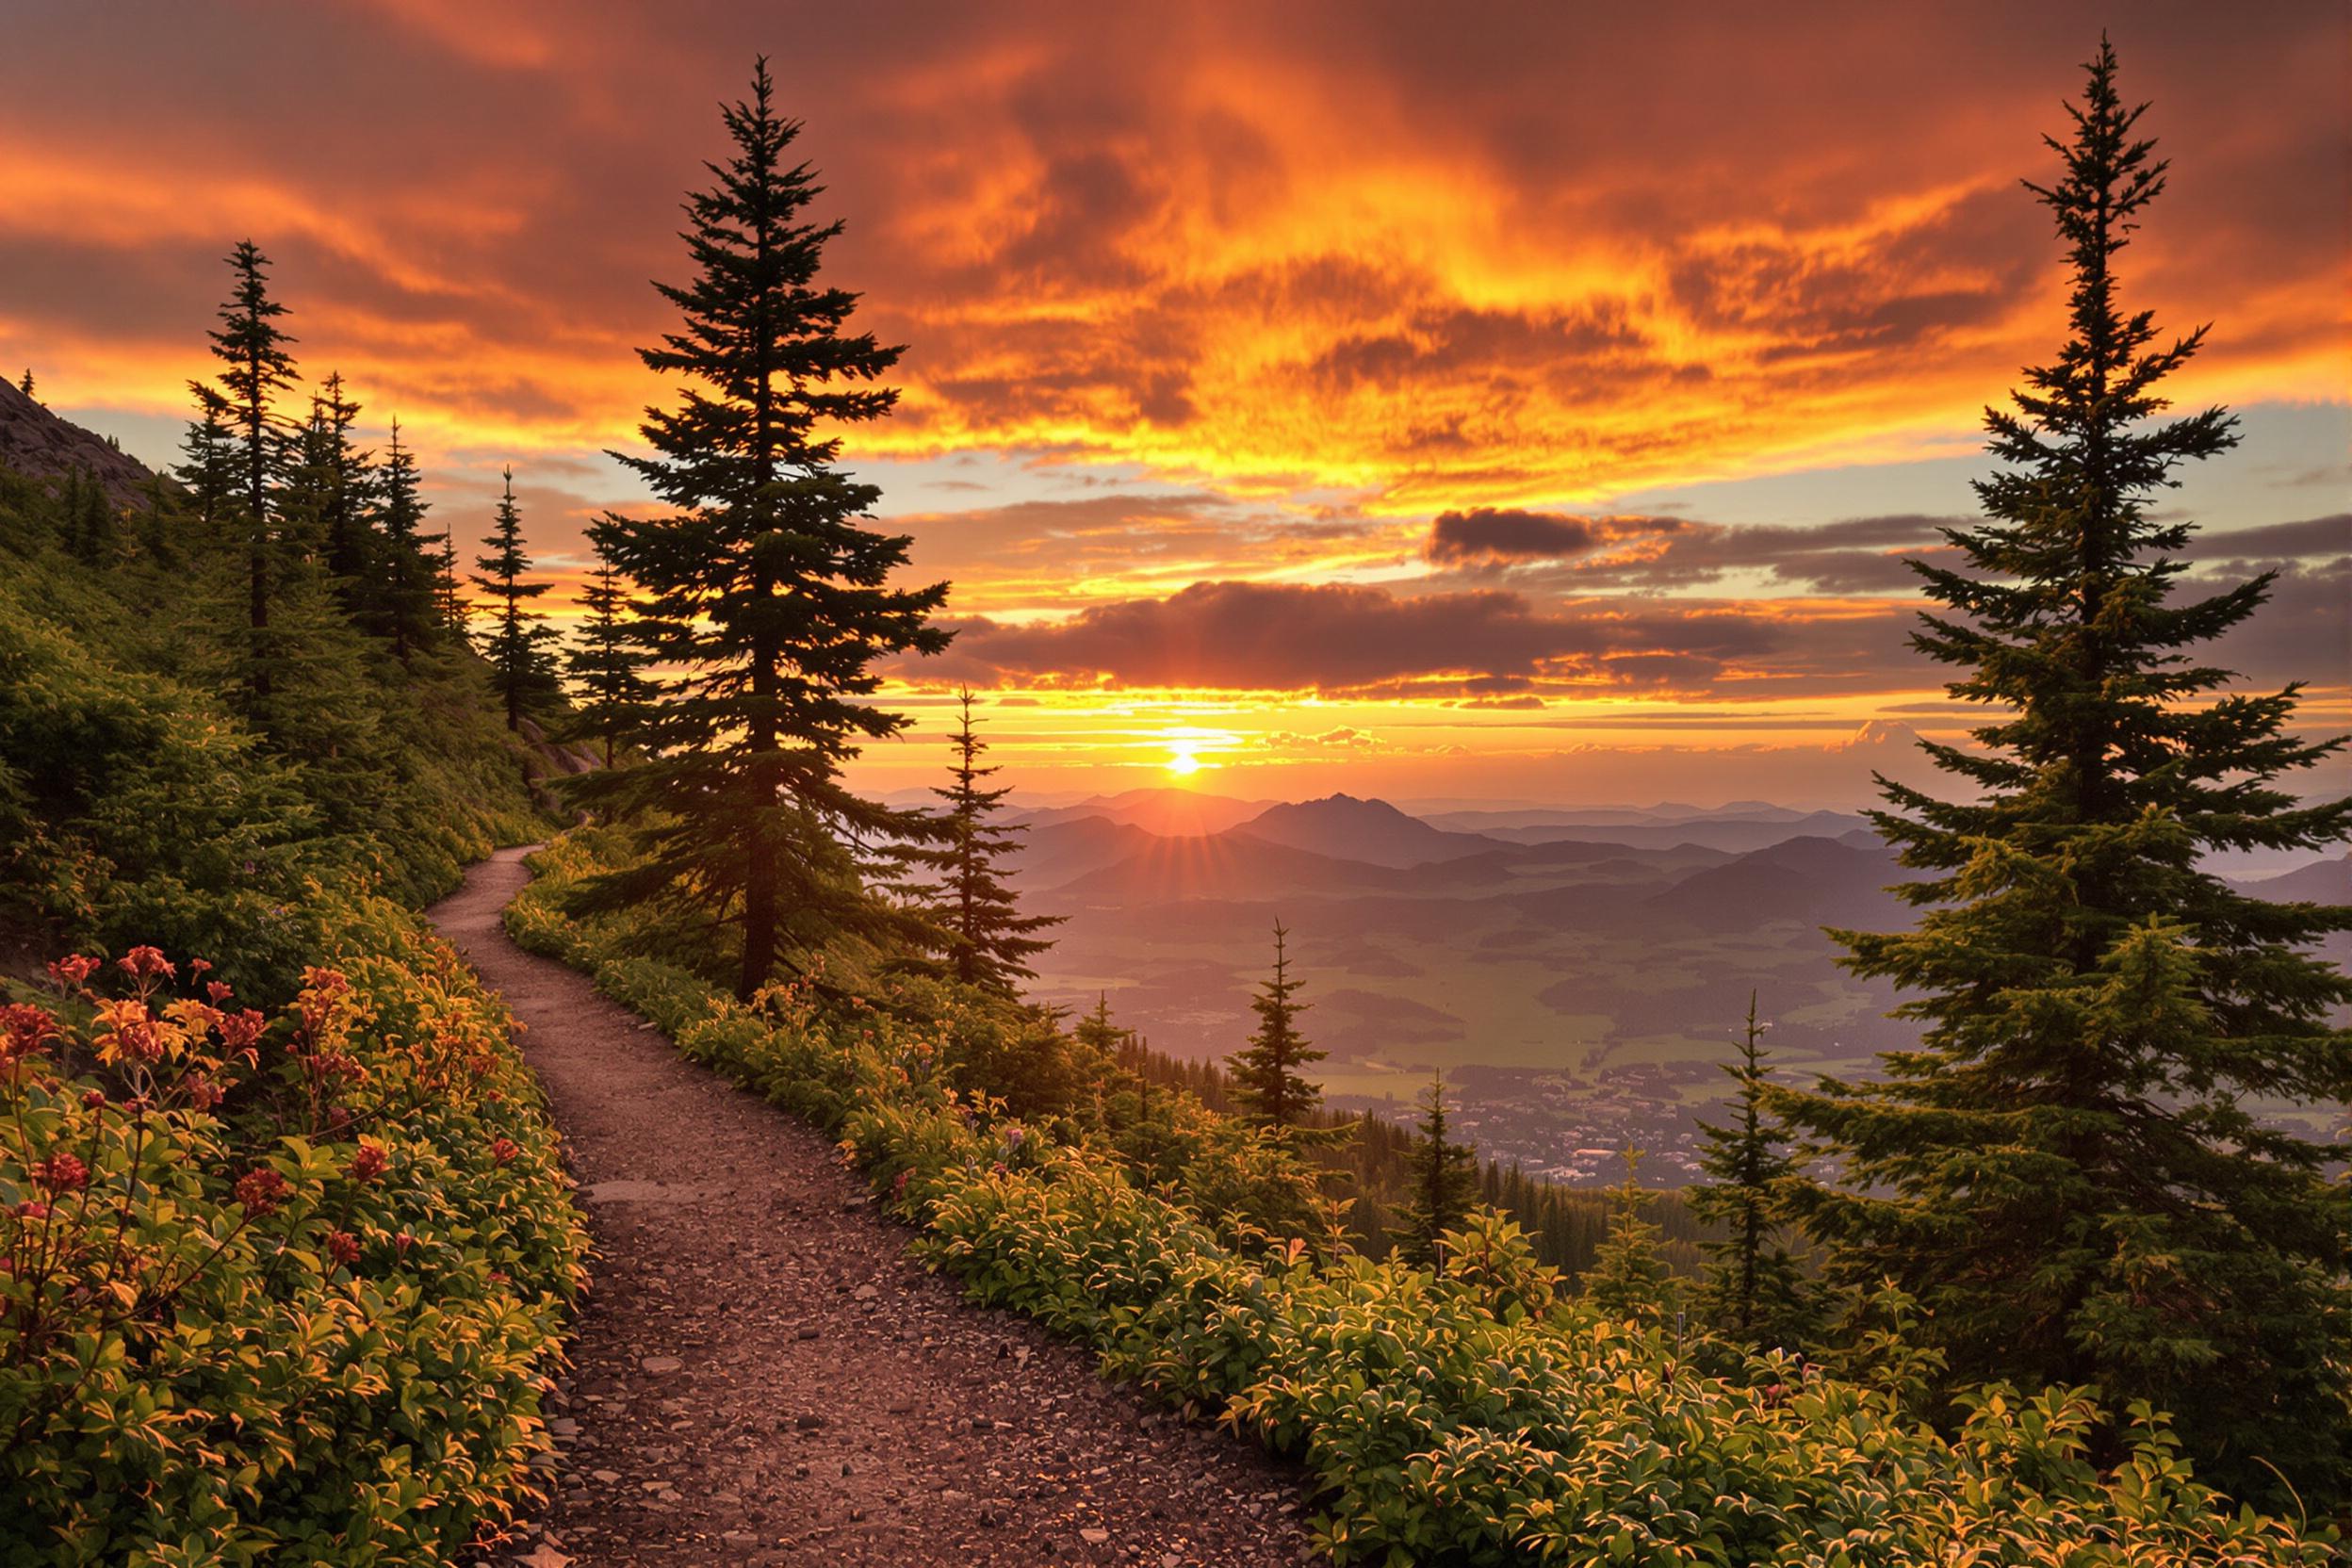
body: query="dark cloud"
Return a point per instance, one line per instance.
(1485, 533)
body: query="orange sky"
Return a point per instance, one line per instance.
(1503, 399)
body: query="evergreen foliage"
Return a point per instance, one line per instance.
(989, 941)
(1629, 1277)
(763, 586)
(607, 665)
(401, 607)
(2070, 1174)
(1443, 1175)
(257, 366)
(1755, 1292)
(522, 670)
(1267, 1077)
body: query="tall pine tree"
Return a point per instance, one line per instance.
(989, 941)
(763, 585)
(208, 469)
(1755, 1292)
(402, 600)
(253, 348)
(2071, 1173)
(1266, 1078)
(606, 664)
(1441, 1181)
(522, 670)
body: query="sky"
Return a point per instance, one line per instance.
(1480, 402)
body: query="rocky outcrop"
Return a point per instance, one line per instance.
(34, 441)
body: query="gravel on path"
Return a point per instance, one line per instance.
(761, 1377)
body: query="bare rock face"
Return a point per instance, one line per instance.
(36, 442)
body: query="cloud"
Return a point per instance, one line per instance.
(1485, 533)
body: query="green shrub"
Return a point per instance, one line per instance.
(274, 1291)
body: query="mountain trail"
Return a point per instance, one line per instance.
(761, 1377)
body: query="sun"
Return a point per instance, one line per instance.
(1184, 764)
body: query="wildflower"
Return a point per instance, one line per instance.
(202, 1093)
(61, 1173)
(72, 971)
(343, 1248)
(197, 967)
(33, 1210)
(503, 1151)
(369, 1161)
(142, 963)
(95, 1100)
(261, 1190)
(219, 990)
(127, 1032)
(240, 1031)
(403, 1242)
(898, 1188)
(24, 1029)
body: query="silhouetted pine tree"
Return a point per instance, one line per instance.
(253, 348)
(1441, 1184)
(989, 939)
(328, 494)
(402, 600)
(2069, 1173)
(522, 671)
(763, 585)
(1265, 1077)
(25, 385)
(1755, 1291)
(208, 467)
(607, 664)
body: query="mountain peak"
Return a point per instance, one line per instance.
(38, 441)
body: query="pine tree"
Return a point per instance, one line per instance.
(763, 584)
(1267, 1083)
(522, 671)
(1755, 1291)
(25, 385)
(1629, 1277)
(2069, 1173)
(328, 494)
(402, 602)
(253, 347)
(989, 941)
(607, 666)
(450, 600)
(1443, 1174)
(207, 469)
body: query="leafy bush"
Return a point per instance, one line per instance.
(1473, 1415)
(273, 1290)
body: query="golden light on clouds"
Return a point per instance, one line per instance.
(1410, 402)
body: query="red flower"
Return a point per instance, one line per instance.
(24, 1029)
(238, 1031)
(343, 1246)
(35, 1210)
(503, 1150)
(95, 1101)
(202, 1093)
(72, 971)
(369, 1161)
(261, 1190)
(61, 1174)
(197, 967)
(218, 990)
(403, 1242)
(143, 962)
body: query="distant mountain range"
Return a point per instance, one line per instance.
(1523, 935)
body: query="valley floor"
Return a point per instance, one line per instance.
(760, 1375)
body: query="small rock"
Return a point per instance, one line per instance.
(807, 1421)
(1095, 1538)
(661, 1367)
(606, 1477)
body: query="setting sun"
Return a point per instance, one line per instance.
(1184, 764)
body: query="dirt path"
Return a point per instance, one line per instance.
(762, 1376)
